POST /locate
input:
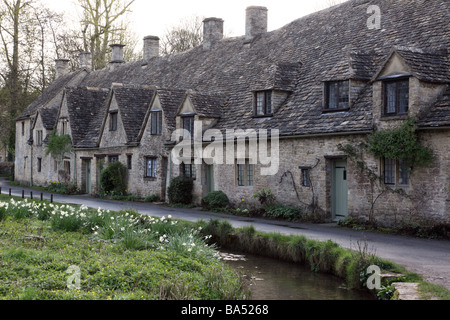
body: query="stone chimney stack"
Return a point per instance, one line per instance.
(255, 21)
(212, 32)
(117, 53)
(62, 67)
(85, 61)
(151, 47)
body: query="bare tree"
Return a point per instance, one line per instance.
(103, 24)
(184, 36)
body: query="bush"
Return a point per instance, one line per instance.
(215, 200)
(180, 190)
(265, 197)
(113, 178)
(283, 212)
(152, 198)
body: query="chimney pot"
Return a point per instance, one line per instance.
(212, 32)
(117, 53)
(62, 67)
(151, 47)
(255, 21)
(85, 60)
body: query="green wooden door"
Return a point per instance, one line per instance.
(88, 177)
(209, 175)
(340, 194)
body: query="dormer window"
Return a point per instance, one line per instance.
(156, 122)
(188, 125)
(396, 97)
(337, 95)
(263, 103)
(113, 121)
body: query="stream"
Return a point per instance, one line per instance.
(271, 279)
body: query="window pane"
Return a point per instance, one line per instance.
(188, 124)
(268, 97)
(154, 123)
(332, 95)
(260, 96)
(249, 174)
(389, 171)
(241, 174)
(390, 97)
(403, 172)
(403, 96)
(343, 94)
(305, 177)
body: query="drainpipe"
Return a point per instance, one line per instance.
(31, 166)
(74, 167)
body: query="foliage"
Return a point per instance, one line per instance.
(58, 145)
(121, 255)
(61, 188)
(215, 200)
(152, 198)
(113, 178)
(282, 212)
(180, 190)
(265, 197)
(400, 144)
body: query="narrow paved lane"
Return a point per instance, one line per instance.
(430, 258)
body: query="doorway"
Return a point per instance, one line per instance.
(340, 190)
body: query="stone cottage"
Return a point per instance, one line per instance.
(324, 80)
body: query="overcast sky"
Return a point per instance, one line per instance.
(150, 17)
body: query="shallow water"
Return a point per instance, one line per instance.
(271, 279)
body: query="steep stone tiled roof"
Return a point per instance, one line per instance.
(316, 44)
(170, 101)
(48, 116)
(51, 97)
(431, 67)
(87, 109)
(298, 57)
(133, 105)
(208, 105)
(438, 115)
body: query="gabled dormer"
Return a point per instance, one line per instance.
(407, 82)
(125, 116)
(199, 108)
(273, 88)
(344, 82)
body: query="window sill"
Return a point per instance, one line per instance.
(263, 116)
(335, 110)
(149, 178)
(394, 117)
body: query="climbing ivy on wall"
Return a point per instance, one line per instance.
(400, 144)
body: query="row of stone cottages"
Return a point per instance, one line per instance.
(323, 80)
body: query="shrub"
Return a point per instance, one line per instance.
(215, 200)
(180, 190)
(265, 197)
(113, 178)
(152, 198)
(283, 212)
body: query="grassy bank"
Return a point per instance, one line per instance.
(119, 255)
(327, 257)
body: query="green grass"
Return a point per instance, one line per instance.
(120, 255)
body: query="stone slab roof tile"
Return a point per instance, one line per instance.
(133, 105)
(87, 109)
